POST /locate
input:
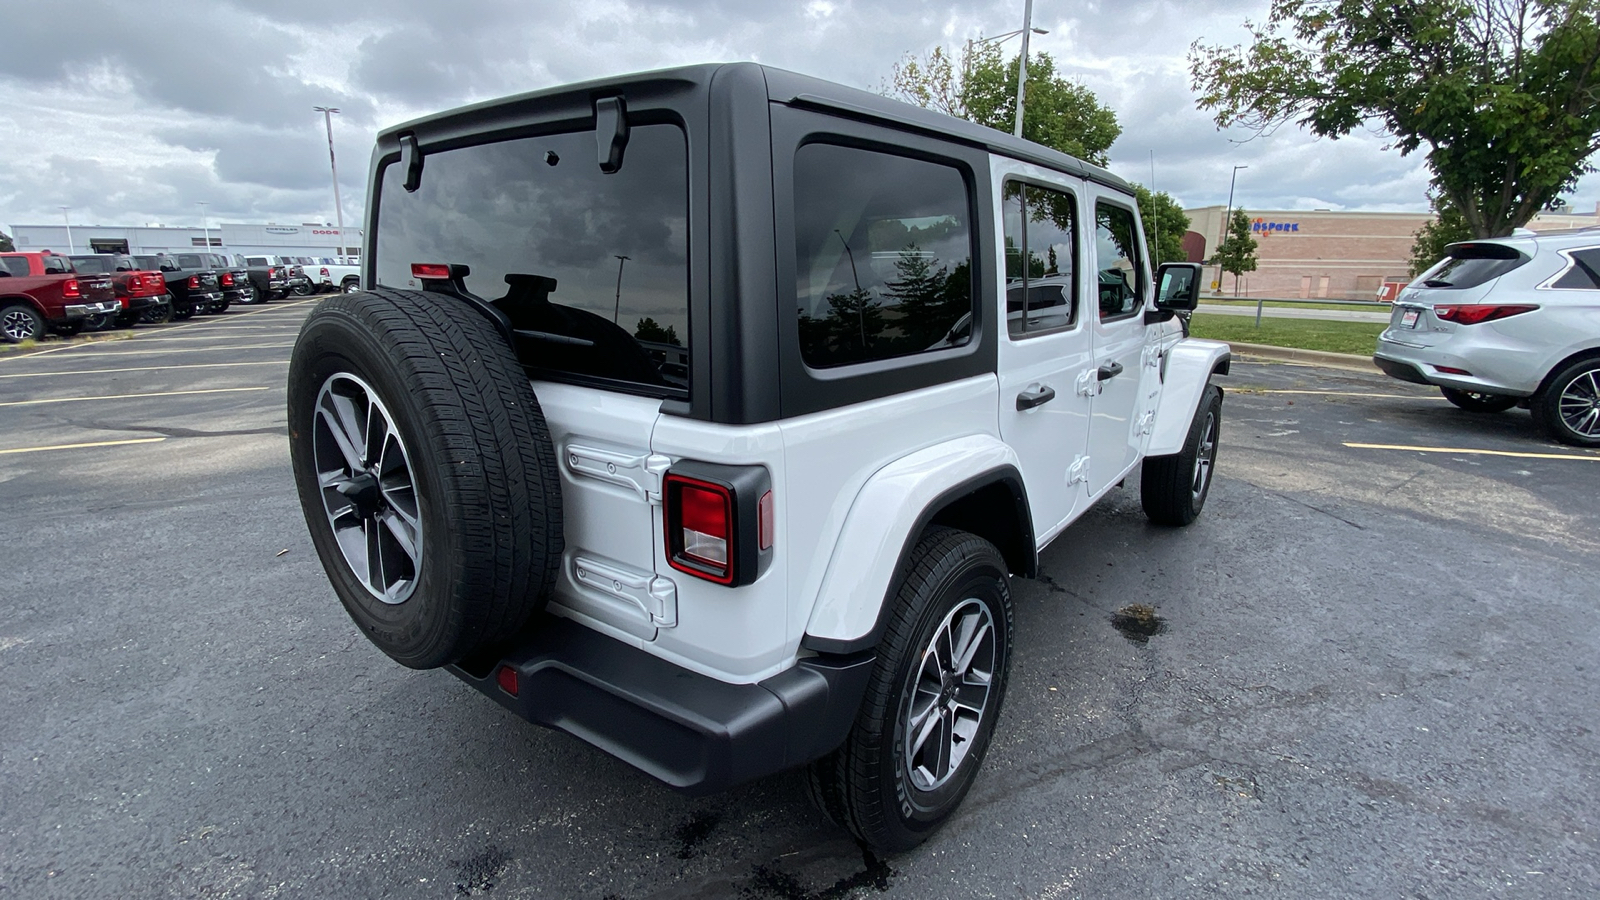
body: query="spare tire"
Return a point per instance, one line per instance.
(425, 471)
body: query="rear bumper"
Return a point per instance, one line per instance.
(691, 731)
(135, 304)
(1404, 371)
(199, 298)
(82, 310)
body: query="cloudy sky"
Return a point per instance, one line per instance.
(131, 117)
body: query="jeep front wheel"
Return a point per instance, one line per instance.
(930, 708)
(1173, 488)
(425, 471)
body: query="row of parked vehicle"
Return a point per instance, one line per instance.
(43, 292)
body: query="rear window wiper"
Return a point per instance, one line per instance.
(1437, 282)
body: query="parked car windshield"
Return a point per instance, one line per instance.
(577, 253)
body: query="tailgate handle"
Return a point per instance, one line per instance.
(1038, 397)
(1110, 371)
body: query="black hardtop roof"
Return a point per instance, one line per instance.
(803, 90)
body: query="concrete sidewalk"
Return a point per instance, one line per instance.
(1279, 312)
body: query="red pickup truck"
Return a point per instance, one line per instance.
(41, 290)
(142, 293)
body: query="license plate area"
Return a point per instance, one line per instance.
(1408, 318)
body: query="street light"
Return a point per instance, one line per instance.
(966, 61)
(338, 206)
(1022, 65)
(68, 222)
(205, 225)
(1226, 221)
(617, 312)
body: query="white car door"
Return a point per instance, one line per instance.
(1045, 361)
(1122, 406)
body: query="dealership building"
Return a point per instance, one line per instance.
(1320, 253)
(311, 239)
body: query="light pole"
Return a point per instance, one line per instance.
(1022, 65)
(338, 206)
(1226, 222)
(615, 313)
(68, 222)
(205, 224)
(966, 61)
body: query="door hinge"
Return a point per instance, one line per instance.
(1146, 422)
(1078, 471)
(1088, 383)
(640, 473)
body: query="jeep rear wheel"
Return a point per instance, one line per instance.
(930, 708)
(1173, 488)
(425, 471)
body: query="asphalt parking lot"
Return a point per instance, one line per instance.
(1376, 676)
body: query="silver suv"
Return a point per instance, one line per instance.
(1508, 322)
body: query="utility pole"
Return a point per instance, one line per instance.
(338, 206)
(1022, 65)
(1227, 221)
(205, 226)
(615, 313)
(68, 221)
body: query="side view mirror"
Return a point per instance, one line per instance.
(1177, 290)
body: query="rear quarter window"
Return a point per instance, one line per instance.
(1584, 273)
(13, 266)
(1470, 265)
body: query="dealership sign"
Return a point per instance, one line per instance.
(282, 229)
(1262, 226)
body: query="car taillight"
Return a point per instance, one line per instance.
(272, 271)
(718, 521)
(324, 271)
(1475, 313)
(227, 279)
(194, 282)
(70, 289)
(430, 271)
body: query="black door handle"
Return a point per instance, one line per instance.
(1110, 371)
(1030, 399)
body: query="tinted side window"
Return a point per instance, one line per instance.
(56, 265)
(597, 263)
(191, 261)
(14, 266)
(883, 255)
(1041, 259)
(1121, 277)
(1585, 272)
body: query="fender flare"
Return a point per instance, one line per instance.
(27, 301)
(1185, 371)
(888, 516)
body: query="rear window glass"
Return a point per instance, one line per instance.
(593, 269)
(1469, 265)
(883, 255)
(192, 261)
(92, 265)
(13, 266)
(1585, 272)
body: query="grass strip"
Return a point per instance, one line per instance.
(1303, 334)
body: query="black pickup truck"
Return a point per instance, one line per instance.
(269, 278)
(194, 289)
(233, 279)
(291, 277)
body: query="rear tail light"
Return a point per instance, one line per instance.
(718, 521)
(227, 279)
(272, 271)
(1473, 314)
(506, 677)
(430, 271)
(71, 290)
(194, 282)
(324, 271)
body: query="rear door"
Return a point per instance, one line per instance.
(1046, 360)
(1124, 404)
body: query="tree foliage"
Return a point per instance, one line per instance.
(979, 84)
(1237, 252)
(1504, 94)
(1447, 227)
(6, 246)
(1164, 221)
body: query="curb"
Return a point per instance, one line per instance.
(1304, 357)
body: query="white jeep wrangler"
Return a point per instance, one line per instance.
(706, 414)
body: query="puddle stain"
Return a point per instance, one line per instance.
(479, 873)
(692, 832)
(770, 882)
(1138, 622)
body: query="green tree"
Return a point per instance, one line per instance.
(1237, 252)
(1447, 227)
(1164, 220)
(979, 84)
(6, 246)
(1504, 94)
(650, 330)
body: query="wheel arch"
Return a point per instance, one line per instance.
(1550, 374)
(1186, 369)
(25, 300)
(971, 484)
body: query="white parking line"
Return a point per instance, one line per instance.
(148, 440)
(270, 362)
(133, 396)
(1472, 451)
(149, 335)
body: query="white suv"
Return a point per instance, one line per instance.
(1505, 322)
(705, 415)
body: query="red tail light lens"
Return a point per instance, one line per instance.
(227, 279)
(324, 271)
(699, 527)
(430, 271)
(272, 271)
(1476, 313)
(506, 677)
(194, 282)
(70, 289)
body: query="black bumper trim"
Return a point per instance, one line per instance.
(1402, 370)
(693, 732)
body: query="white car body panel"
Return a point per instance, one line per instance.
(1188, 367)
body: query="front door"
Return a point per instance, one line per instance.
(1046, 365)
(1121, 281)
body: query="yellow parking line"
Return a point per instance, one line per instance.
(1470, 450)
(133, 396)
(234, 318)
(148, 440)
(1344, 394)
(270, 362)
